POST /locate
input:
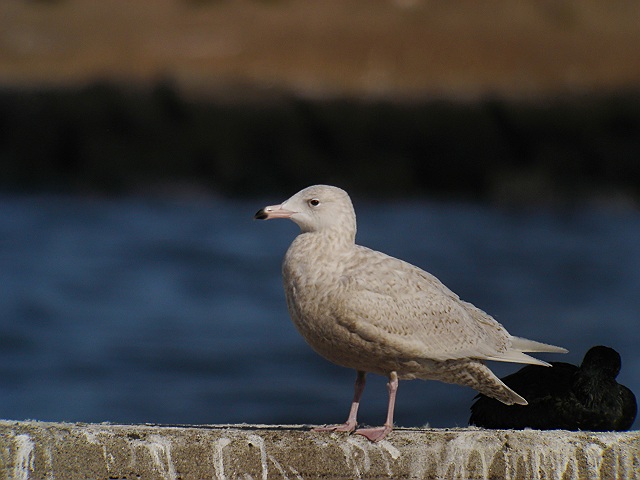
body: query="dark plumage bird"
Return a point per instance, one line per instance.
(564, 397)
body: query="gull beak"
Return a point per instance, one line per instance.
(273, 211)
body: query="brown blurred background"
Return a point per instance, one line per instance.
(491, 99)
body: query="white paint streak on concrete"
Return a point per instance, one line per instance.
(557, 457)
(350, 446)
(160, 449)
(596, 451)
(218, 457)
(296, 473)
(465, 454)
(363, 445)
(258, 441)
(94, 439)
(543, 461)
(278, 467)
(593, 455)
(393, 451)
(348, 458)
(25, 457)
(448, 454)
(456, 455)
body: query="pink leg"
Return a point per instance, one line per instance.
(378, 433)
(350, 424)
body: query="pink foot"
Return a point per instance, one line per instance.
(345, 427)
(374, 434)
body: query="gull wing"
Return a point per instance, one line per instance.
(386, 300)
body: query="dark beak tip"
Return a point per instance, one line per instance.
(260, 215)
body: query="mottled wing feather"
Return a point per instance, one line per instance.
(412, 311)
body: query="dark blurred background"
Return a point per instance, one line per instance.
(496, 145)
(534, 101)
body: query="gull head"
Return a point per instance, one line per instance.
(316, 209)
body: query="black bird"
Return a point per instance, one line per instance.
(564, 397)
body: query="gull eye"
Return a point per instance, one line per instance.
(314, 202)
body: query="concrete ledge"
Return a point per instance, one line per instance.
(38, 450)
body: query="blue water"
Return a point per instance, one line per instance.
(172, 311)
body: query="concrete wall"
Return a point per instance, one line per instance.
(38, 450)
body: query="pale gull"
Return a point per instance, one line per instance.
(365, 310)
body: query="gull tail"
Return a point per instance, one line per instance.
(519, 345)
(475, 374)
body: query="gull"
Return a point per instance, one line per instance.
(365, 310)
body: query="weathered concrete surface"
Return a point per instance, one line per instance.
(38, 450)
